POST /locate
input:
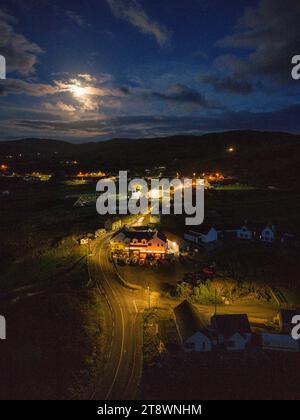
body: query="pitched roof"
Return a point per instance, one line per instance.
(228, 325)
(258, 227)
(161, 236)
(201, 231)
(139, 235)
(189, 320)
(270, 227)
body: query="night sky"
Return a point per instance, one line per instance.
(86, 71)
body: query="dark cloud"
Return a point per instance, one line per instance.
(125, 90)
(77, 19)
(232, 84)
(270, 33)
(20, 54)
(184, 95)
(178, 95)
(133, 13)
(20, 87)
(151, 126)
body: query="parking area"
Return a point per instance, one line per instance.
(160, 278)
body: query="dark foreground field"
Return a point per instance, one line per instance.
(273, 376)
(55, 316)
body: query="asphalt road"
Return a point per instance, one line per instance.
(124, 329)
(124, 353)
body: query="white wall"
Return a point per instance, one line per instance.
(201, 342)
(211, 236)
(239, 342)
(279, 342)
(244, 234)
(267, 235)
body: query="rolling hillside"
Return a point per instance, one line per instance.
(258, 156)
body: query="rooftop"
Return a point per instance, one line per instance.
(189, 321)
(139, 235)
(228, 325)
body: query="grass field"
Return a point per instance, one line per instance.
(56, 319)
(53, 265)
(54, 347)
(235, 187)
(56, 329)
(37, 217)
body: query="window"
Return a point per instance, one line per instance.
(231, 343)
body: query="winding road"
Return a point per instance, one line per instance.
(124, 351)
(123, 368)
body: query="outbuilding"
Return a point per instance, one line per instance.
(194, 335)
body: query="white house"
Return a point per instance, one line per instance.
(244, 233)
(268, 234)
(279, 342)
(233, 331)
(194, 335)
(209, 235)
(199, 342)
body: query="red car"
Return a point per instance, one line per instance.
(208, 271)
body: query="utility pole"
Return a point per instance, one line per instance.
(148, 287)
(215, 301)
(87, 260)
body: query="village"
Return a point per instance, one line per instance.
(215, 294)
(149, 258)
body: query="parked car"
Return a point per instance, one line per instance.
(208, 271)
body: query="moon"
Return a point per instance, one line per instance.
(77, 90)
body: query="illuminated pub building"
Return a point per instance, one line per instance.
(139, 244)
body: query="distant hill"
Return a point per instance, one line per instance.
(271, 157)
(34, 145)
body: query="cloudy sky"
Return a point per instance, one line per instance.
(86, 71)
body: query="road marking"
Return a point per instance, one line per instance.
(104, 261)
(123, 328)
(134, 360)
(135, 307)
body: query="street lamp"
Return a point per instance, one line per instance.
(148, 288)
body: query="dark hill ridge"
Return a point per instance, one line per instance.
(266, 156)
(35, 145)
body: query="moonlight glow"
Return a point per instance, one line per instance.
(77, 90)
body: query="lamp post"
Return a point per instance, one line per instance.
(148, 288)
(215, 301)
(88, 253)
